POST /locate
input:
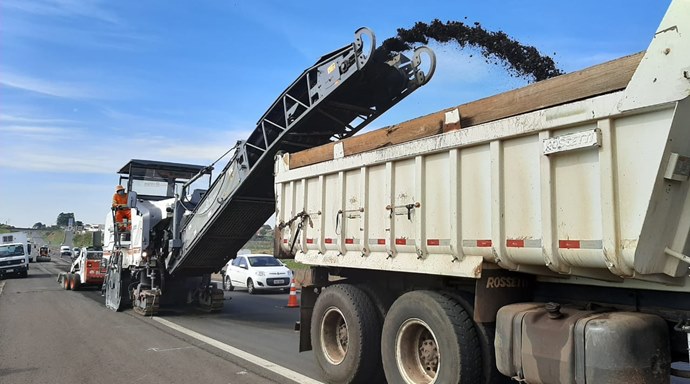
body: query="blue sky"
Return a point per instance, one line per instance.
(86, 85)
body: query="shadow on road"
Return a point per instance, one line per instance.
(11, 371)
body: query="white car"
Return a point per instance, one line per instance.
(256, 272)
(65, 251)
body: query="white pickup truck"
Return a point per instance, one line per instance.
(546, 240)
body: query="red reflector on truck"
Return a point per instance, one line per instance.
(349, 241)
(381, 241)
(400, 241)
(483, 243)
(569, 244)
(433, 242)
(515, 243)
(310, 241)
(328, 241)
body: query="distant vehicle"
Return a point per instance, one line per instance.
(14, 254)
(75, 252)
(43, 254)
(92, 227)
(65, 251)
(256, 272)
(29, 248)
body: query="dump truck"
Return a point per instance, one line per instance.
(540, 235)
(184, 226)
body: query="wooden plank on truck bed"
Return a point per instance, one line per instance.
(597, 80)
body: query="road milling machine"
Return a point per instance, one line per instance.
(179, 234)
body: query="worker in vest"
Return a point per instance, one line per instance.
(121, 210)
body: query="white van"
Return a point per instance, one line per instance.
(14, 254)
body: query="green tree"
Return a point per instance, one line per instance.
(79, 224)
(63, 219)
(39, 225)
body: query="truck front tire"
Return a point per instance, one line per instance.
(428, 337)
(346, 335)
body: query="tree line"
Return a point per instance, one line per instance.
(63, 220)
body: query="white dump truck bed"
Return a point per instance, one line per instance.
(595, 190)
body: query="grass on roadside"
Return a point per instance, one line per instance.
(293, 265)
(54, 237)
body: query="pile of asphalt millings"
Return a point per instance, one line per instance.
(497, 47)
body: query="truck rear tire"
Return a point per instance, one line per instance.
(486, 334)
(346, 335)
(428, 337)
(380, 297)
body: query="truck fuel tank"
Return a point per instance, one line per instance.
(547, 343)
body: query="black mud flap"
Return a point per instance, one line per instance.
(498, 287)
(307, 301)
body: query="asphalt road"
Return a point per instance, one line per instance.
(48, 335)
(56, 336)
(36, 236)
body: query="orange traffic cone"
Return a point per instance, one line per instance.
(292, 300)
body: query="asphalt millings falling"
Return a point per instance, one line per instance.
(496, 47)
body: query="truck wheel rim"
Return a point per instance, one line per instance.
(416, 352)
(334, 336)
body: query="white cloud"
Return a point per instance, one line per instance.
(9, 118)
(93, 9)
(85, 152)
(42, 133)
(72, 24)
(57, 161)
(185, 152)
(148, 123)
(70, 90)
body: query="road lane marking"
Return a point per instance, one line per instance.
(275, 368)
(156, 349)
(2, 285)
